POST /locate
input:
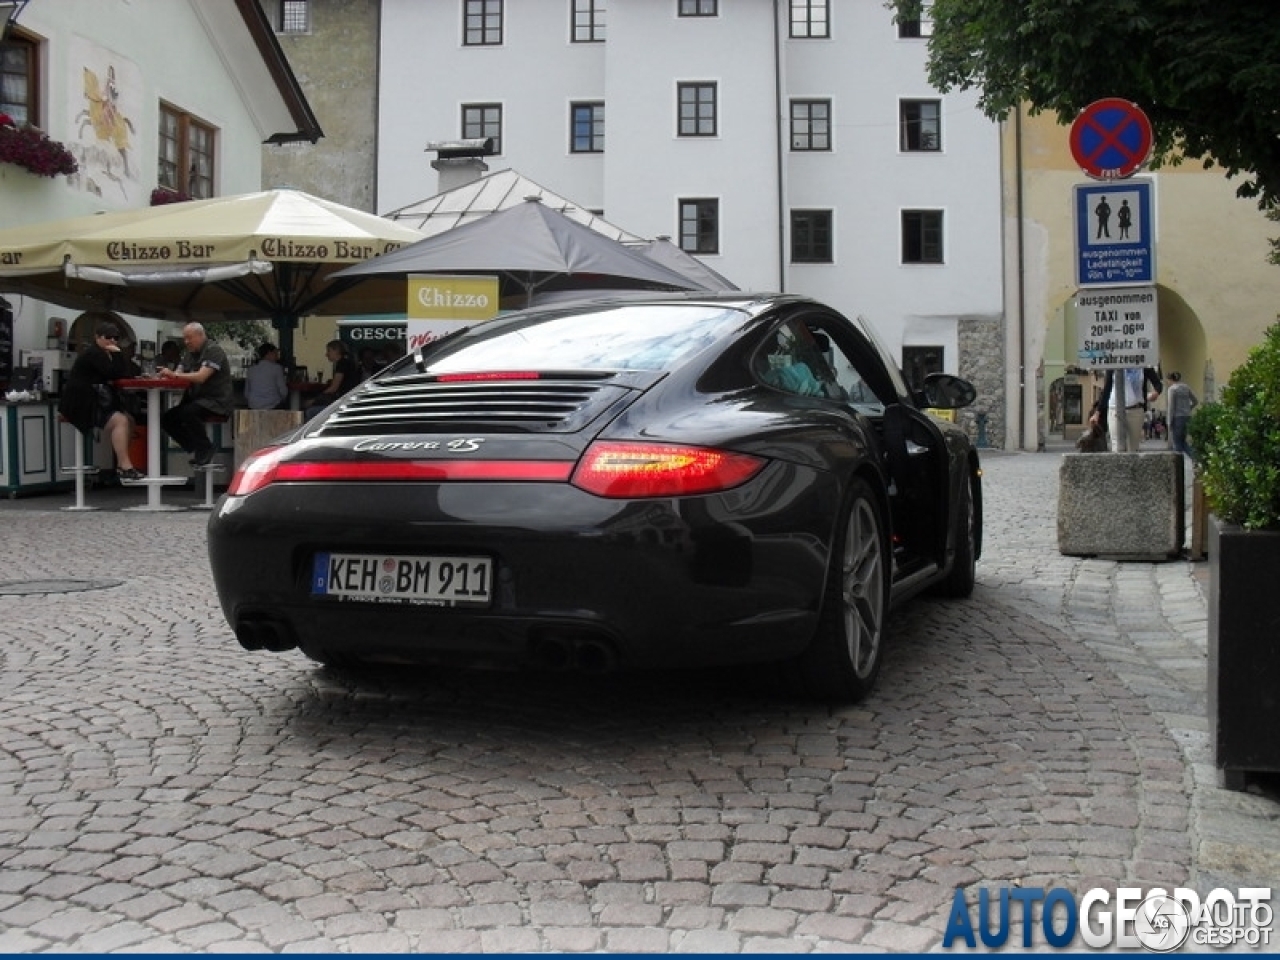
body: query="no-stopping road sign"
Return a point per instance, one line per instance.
(1111, 139)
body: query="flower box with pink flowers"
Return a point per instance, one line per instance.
(31, 149)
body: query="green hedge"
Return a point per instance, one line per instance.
(1236, 441)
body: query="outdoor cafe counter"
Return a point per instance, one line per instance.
(34, 447)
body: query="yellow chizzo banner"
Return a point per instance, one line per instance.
(452, 298)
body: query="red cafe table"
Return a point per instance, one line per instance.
(154, 482)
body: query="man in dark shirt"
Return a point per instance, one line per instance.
(206, 369)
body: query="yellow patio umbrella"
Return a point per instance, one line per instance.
(268, 255)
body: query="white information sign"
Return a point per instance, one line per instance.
(1118, 327)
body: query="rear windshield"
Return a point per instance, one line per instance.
(624, 337)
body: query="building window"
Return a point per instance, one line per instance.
(700, 226)
(19, 78)
(922, 236)
(699, 8)
(918, 363)
(810, 124)
(481, 120)
(483, 23)
(295, 16)
(697, 109)
(588, 21)
(588, 128)
(919, 27)
(920, 125)
(809, 19)
(186, 153)
(811, 236)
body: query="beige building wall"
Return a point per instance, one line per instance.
(336, 63)
(1217, 292)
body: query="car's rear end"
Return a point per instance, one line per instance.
(466, 509)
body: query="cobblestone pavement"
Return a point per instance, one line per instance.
(161, 789)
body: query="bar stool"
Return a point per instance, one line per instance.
(80, 470)
(213, 466)
(208, 469)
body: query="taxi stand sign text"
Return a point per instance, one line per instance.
(1117, 327)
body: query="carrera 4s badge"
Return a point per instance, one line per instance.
(456, 445)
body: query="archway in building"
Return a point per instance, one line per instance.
(81, 333)
(1070, 390)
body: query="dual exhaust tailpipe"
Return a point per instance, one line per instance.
(585, 653)
(262, 634)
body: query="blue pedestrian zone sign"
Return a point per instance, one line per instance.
(1115, 239)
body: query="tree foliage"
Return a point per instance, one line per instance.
(1236, 441)
(246, 334)
(1206, 72)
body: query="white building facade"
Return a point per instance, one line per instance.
(791, 144)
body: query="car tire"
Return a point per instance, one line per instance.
(960, 581)
(843, 659)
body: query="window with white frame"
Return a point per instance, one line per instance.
(919, 26)
(186, 153)
(587, 125)
(482, 23)
(922, 236)
(811, 236)
(810, 19)
(810, 124)
(920, 361)
(483, 120)
(700, 225)
(697, 106)
(588, 21)
(920, 125)
(699, 8)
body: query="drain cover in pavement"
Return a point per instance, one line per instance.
(21, 588)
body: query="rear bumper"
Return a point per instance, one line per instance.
(578, 580)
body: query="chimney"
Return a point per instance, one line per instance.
(459, 162)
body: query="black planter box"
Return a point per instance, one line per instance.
(1244, 651)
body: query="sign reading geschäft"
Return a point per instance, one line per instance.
(1115, 239)
(439, 305)
(1118, 327)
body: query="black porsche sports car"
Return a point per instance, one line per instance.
(644, 481)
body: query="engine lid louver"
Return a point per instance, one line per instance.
(426, 405)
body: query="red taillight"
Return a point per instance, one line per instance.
(393, 470)
(256, 472)
(266, 467)
(637, 470)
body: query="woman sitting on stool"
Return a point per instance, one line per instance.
(89, 401)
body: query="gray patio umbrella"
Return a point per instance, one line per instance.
(662, 250)
(531, 249)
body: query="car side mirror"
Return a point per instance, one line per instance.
(942, 391)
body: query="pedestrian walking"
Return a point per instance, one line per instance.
(1182, 401)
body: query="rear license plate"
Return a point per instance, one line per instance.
(436, 581)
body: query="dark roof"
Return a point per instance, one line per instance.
(308, 127)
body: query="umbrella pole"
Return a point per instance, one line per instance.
(285, 324)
